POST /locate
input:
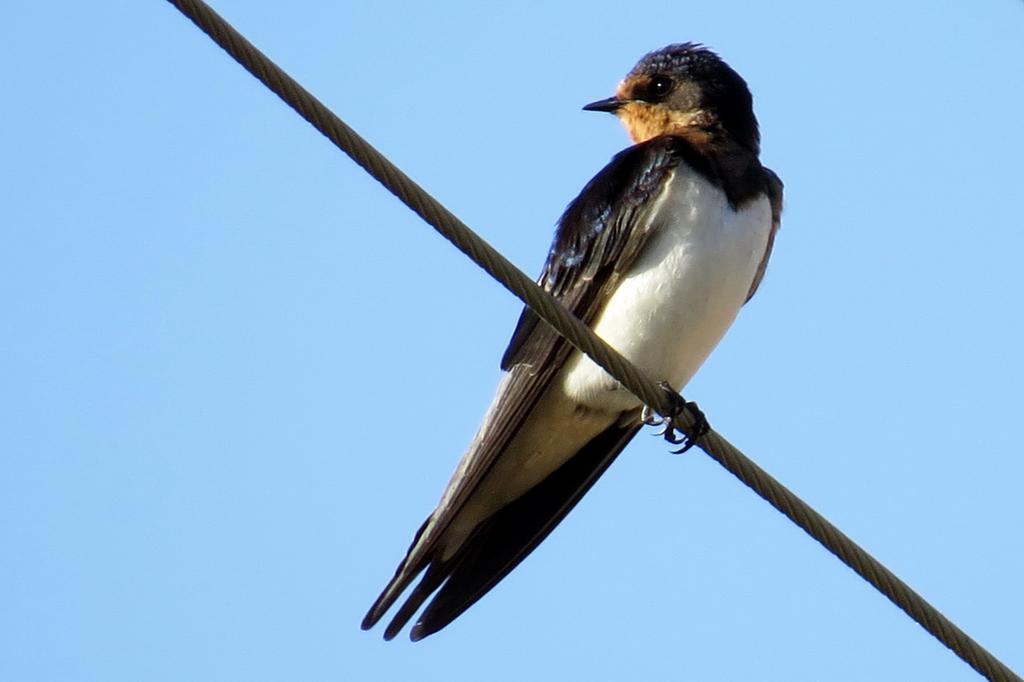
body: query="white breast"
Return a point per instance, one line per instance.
(681, 295)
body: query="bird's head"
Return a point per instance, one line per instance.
(686, 90)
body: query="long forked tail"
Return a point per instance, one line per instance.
(496, 546)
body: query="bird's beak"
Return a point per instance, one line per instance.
(611, 105)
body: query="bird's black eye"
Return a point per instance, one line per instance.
(659, 87)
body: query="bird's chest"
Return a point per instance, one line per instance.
(681, 295)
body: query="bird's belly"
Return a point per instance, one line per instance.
(668, 313)
(679, 298)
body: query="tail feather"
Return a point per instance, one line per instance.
(511, 534)
(497, 546)
(435, 575)
(404, 574)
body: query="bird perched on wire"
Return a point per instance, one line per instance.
(657, 254)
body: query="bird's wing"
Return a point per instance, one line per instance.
(598, 238)
(773, 188)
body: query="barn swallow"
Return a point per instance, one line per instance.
(657, 254)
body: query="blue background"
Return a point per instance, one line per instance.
(235, 373)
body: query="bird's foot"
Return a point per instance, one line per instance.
(672, 433)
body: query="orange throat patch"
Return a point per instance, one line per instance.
(645, 121)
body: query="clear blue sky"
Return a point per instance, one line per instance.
(235, 374)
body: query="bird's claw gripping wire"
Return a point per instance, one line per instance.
(672, 433)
